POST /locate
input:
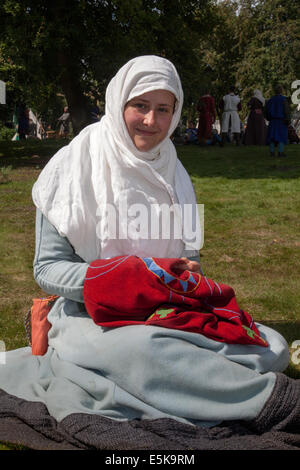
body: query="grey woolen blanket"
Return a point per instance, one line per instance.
(276, 428)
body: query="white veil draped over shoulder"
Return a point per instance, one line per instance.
(100, 185)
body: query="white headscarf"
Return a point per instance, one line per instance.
(101, 171)
(258, 94)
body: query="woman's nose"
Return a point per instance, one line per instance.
(149, 118)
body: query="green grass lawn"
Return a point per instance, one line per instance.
(20, 165)
(252, 225)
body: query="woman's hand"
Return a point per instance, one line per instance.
(185, 264)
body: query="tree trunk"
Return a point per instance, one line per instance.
(77, 102)
(65, 57)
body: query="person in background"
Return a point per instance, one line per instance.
(32, 129)
(23, 121)
(292, 134)
(191, 134)
(256, 130)
(231, 105)
(207, 116)
(64, 121)
(216, 138)
(278, 115)
(94, 112)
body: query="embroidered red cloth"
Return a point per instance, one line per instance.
(128, 290)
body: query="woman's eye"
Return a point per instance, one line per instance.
(144, 107)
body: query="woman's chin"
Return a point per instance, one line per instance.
(145, 145)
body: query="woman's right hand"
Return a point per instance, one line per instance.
(185, 264)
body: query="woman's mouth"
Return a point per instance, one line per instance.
(145, 133)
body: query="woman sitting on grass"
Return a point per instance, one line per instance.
(137, 371)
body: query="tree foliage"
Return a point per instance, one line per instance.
(66, 51)
(74, 47)
(254, 45)
(273, 51)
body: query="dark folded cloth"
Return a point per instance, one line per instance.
(277, 427)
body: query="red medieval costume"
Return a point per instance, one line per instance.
(256, 130)
(207, 116)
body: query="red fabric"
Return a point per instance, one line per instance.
(207, 116)
(128, 290)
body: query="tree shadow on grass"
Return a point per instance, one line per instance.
(244, 162)
(29, 153)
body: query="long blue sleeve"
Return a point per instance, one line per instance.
(57, 268)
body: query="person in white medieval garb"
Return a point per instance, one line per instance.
(230, 105)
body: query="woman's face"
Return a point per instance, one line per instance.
(148, 118)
